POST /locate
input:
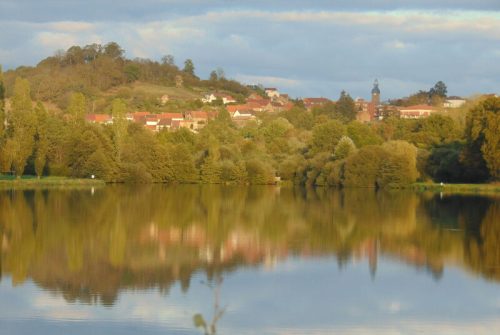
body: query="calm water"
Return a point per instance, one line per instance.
(235, 260)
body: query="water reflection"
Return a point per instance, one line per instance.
(89, 246)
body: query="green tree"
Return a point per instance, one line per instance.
(439, 90)
(491, 146)
(118, 111)
(362, 169)
(344, 148)
(189, 67)
(42, 140)
(2, 107)
(482, 119)
(345, 109)
(77, 107)
(362, 134)
(325, 136)
(23, 126)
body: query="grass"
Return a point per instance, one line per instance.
(457, 188)
(31, 182)
(174, 93)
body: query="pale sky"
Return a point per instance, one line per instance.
(303, 49)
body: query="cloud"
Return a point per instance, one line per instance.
(308, 50)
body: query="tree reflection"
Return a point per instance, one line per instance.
(90, 245)
(218, 311)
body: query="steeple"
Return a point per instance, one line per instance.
(376, 93)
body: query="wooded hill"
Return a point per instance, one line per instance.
(102, 73)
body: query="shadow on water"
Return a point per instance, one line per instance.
(90, 245)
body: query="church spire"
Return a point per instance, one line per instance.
(376, 93)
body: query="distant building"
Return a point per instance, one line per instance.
(369, 110)
(99, 118)
(454, 102)
(416, 112)
(310, 103)
(272, 92)
(226, 98)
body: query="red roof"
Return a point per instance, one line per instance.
(170, 116)
(199, 115)
(99, 118)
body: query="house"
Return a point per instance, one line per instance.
(272, 92)
(173, 116)
(200, 118)
(99, 118)
(454, 102)
(365, 110)
(416, 112)
(211, 97)
(309, 103)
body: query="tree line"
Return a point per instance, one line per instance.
(323, 147)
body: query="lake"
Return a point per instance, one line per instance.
(248, 260)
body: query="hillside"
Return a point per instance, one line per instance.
(102, 73)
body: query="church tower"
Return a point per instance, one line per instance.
(375, 94)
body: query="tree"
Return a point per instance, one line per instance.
(118, 111)
(168, 60)
(344, 148)
(345, 109)
(491, 145)
(77, 107)
(439, 90)
(2, 107)
(399, 167)
(362, 168)
(325, 136)
(42, 141)
(480, 156)
(188, 67)
(113, 50)
(23, 126)
(362, 134)
(213, 76)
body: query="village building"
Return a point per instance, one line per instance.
(369, 110)
(416, 112)
(211, 97)
(272, 92)
(454, 102)
(99, 118)
(310, 103)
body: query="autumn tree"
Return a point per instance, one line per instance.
(41, 137)
(23, 126)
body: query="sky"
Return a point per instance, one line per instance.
(304, 48)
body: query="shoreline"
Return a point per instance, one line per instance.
(49, 182)
(455, 188)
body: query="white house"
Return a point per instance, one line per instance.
(272, 92)
(454, 102)
(226, 98)
(416, 112)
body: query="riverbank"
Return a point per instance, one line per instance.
(8, 182)
(456, 188)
